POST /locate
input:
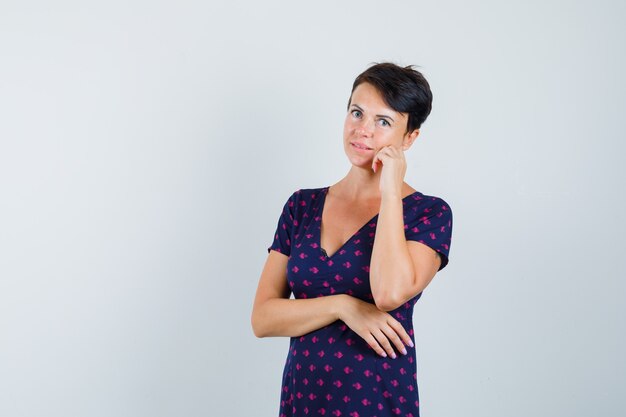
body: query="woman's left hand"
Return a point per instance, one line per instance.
(393, 164)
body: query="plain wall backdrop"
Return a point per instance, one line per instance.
(147, 148)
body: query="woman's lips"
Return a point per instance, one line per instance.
(361, 147)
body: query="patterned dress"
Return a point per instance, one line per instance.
(332, 371)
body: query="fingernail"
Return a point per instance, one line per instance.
(384, 355)
(393, 355)
(411, 343)
(404, 351)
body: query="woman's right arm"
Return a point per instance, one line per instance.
(274, 314)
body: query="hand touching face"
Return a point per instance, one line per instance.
(371, 125)
(375, 134)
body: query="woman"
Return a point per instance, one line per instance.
(356, 256)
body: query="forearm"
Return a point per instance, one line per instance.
(391, 267)
(289, 317)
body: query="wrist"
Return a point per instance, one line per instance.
(340, 306)
(391, 196)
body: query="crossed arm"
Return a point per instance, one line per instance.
(274, 314)
(399, 270)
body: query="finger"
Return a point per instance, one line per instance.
(384, 342)
(389, 150)
(375, 162)
(378, 161)
(394, 338)
(393, 154)
(387, 154)
(373, 343)
(399, 329)
(382, 152)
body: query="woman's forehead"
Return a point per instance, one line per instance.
(367, 96)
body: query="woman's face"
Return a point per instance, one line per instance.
(371, 124)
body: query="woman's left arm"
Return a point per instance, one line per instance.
(399, 269)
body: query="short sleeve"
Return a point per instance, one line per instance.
(284, 229)
(431, 226)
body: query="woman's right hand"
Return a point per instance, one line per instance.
(378, 328)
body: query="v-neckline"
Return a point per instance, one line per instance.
(321, 214)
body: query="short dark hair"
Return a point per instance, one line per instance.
(404, 89)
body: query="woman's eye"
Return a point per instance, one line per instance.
(356, 113)
(384, 122)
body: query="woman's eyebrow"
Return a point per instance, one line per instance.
(384, 116)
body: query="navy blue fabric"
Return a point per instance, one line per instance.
(332, 371)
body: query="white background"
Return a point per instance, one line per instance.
(147, 148)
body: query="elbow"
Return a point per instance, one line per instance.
(257, 332)
(388, 300)
(388, 303)
(391, 297)
(257, 328)
(391, 300)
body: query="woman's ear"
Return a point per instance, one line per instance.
(409, 138)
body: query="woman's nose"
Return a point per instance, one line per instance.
(365, 128)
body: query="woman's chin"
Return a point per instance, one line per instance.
(363, 163)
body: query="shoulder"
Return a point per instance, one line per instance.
(418, 199)
(419, 204)
(304, 195)
(303, 200)
(311, 192)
